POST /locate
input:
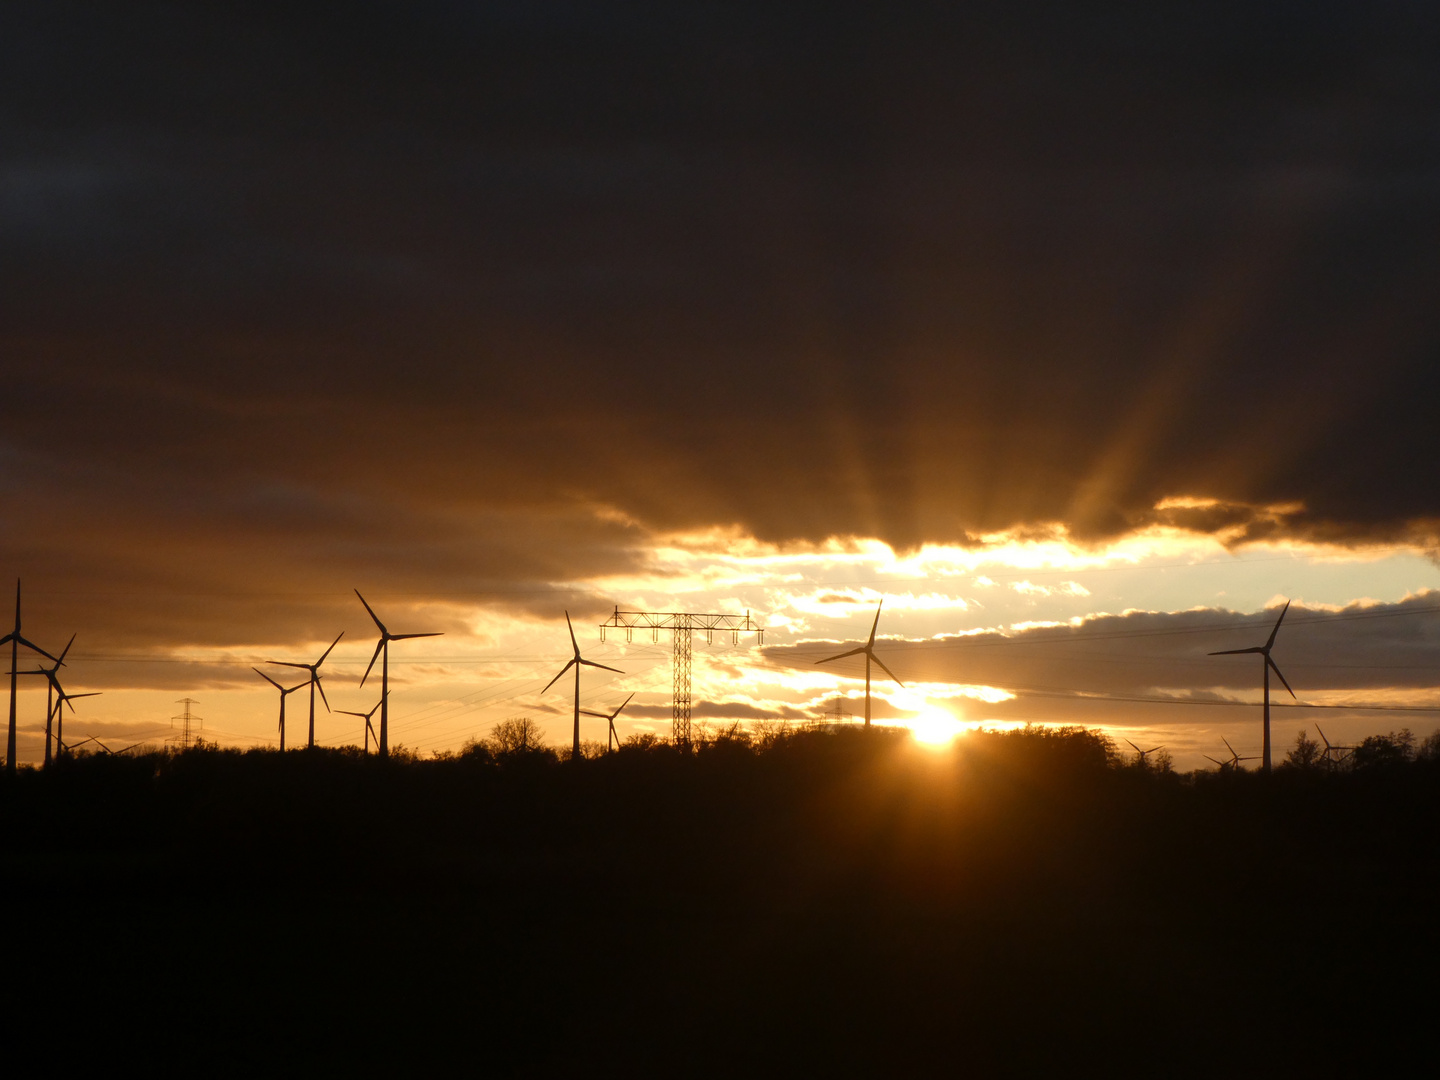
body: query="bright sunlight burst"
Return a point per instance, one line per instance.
(935, 727)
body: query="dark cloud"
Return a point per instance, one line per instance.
(1381, 648)
(401, 293)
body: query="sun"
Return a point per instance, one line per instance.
(935, 727)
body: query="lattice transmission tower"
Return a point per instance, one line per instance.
(186, 718)
(683, 624)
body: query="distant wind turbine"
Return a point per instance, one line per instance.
(577, 661)
(382, 652)
(52, 687)
(1235, 759)
(1334, 755)
(869, 650)
(284, 693)
(1264, 650)
(1146, 753)
(314, 670)
(61, 700)
(369, 730)
(15, 640)
(613, 737)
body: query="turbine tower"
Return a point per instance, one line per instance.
(382, 652)
(284, 693)
(576, 661)
(1264, 650)
(869, 650)
(369, 728)
(613, 737)
(14, 639)
(314, 670)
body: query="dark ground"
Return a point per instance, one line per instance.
(837, 904)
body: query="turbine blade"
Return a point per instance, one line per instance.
(1237, 652)
(1137, 749)
(841, 656)
(886, 669)
(66, 649)
(1227, 745)
(592, 663)
(327, 651)
(288, 663)
(347, 712)
(321, 687)
(268, 679)
(33, 647)
(368, 608)
(1276, 669)
(568, 665)
(622, 706)
(600, 715)
(403, 637)
(1277, 624)
(1322, 737)
(378, 646)
(573, 643)
(876, 623)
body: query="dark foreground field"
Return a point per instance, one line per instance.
(840, 903)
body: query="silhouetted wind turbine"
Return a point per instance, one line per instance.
(1334, 755)
(1264, 650)
(613, 736)
(52, 686)
(1235, 758)
(576, 661)
(1146, 753)
(1233, 763)
(15, 640)
(869, 650)
(382, 648)
(369, 730)
(314, 670)
(284, 693)
(62, 699)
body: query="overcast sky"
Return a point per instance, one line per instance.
(486, 308)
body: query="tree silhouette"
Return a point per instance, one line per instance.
(517, 736)
(1305, 754)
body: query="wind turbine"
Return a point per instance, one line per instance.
(15, 640)
(1233, 763)
(1235, 758)
(869, 650)
(369, 730)
(61, 700)
(383, 647)
(314, 670)
(611, 718)
(1146, 753)
(1264, 650)
(1334, 755)
(52, 686)
(284, 693)
(577, 661)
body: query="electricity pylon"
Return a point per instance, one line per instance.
(683, 624)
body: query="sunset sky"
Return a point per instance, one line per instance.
(1083, 340)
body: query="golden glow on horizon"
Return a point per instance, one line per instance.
(935, 728)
